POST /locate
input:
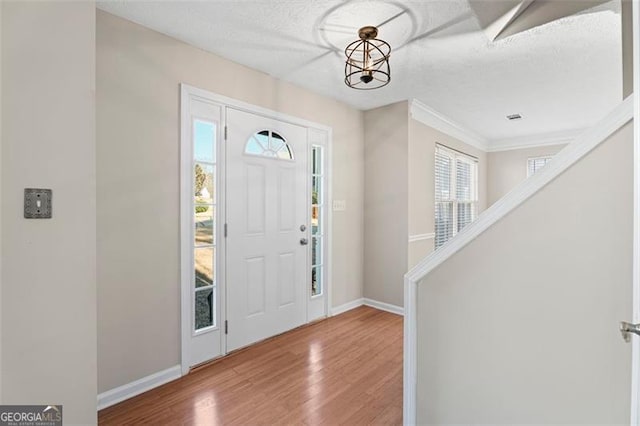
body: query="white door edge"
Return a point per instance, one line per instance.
(185, 290)
(635, 351)
(188, 92)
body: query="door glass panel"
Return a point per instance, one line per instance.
(204, 224)
(277, 142)
(316, 280)
(315, 162)
(253, 147)
(316, 196)
(204, 183)
(317, 199)
(267, 143)
(315, 219)
(204, 266)
(201, 222)
(204, 193)
(281, 147)
(205, 301)
(263, 139)
(316, 251)
(204, 141)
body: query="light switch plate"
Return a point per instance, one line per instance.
(37, 203)
(339, 205)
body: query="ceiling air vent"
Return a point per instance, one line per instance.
(512, 117)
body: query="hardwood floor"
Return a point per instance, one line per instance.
(343, 370)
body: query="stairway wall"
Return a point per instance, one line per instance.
(521, 324)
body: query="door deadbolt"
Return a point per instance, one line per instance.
(303, 228)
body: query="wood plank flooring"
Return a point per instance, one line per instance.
(343, 370)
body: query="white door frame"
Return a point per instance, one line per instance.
(188, 92)
(635, 351)
(194, 108)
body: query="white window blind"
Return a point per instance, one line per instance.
(535, 164)
(456, 177)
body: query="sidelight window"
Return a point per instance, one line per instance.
(204, 219)
(317, 219)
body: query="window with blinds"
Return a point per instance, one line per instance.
(456, 177)
(535, 164)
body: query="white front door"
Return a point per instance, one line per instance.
(268, 228)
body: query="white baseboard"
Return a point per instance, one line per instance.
(367, 302)
(119, 394)
(347, 307)
(384, 306)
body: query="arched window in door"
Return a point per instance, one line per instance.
(268, 143)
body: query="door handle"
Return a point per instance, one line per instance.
(304, 241)
(627, 328)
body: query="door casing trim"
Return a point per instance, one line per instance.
(635, 342)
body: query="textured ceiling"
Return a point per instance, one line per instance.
(560, 76)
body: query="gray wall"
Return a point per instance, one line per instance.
(506, 169)
(422, 148)
(48, 266)
(521, 325)
(138, 73)
(386, 202)
(399, 196)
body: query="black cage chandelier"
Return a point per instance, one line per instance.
(367, 64)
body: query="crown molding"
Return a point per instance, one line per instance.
(432, 118)
(533, 141)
